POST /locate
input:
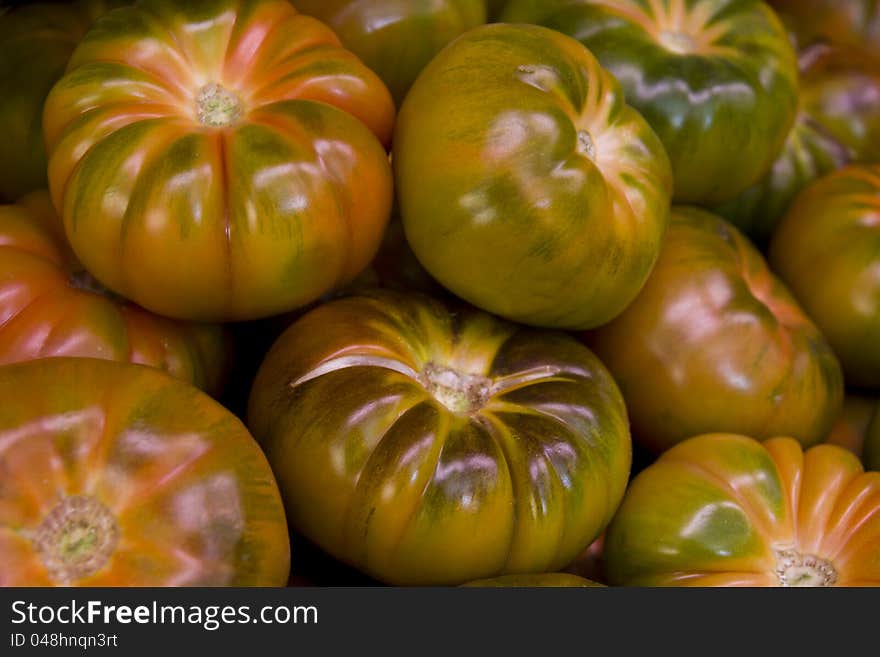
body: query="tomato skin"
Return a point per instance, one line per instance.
(827, 249)
(396, 38)
(548, 580)
(715, 342)
(219, 162)
(50, 307)
(427, 444)
(716, 80)
(36, 41)
(838, 122)
(854, 23)
(727, 510)
(171, 487)
(520, 167)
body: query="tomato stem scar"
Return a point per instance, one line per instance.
(217, 107)
(76, 538)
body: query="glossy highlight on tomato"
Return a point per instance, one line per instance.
(429, 444)
(716, 80)
(114, 474)
(219, 161)
(727, 510)
(527, 186)
(50, 306)
(827, 249)
(716, 343)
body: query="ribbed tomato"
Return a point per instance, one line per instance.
(219, 161)
(527, 186)
(716, 79)
(726, 510)
(827, 249)
(114, 474)
(716, 343)
(36, 40)
(838, 122)
(428, 444)
(51, 306)
(396, 38)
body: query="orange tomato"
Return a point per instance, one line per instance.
(114, 474)
(219, 161)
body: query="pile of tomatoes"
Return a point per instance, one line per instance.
(523, 293)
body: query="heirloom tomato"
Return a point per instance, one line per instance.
(36, 41)
(838, 122)
(396, 38)
(851, 428)
(424, 443)
(113, 474)
(716, 343)
(726, 510)
(845, 22)
(717, 80)
(527, 186)
(221, 160)
(51, 306)
(541, 580)
(827, 249)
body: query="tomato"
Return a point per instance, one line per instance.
(726, 510)
(852, 425)
(848, 22)
(838, 122)
(827, 249)
(51, 306)
(396, 38)
(114, 474)
(715, 342)
(424, 443)
(36, 41)
(717, 80)
(219, 161)
(527, 186)
(548, 580)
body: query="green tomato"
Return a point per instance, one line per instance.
(717, 80)
(527, 185)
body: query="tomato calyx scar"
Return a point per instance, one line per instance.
(586, 145)
(801, 570)
(217, 107)
(76, 538)
(461, 393)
